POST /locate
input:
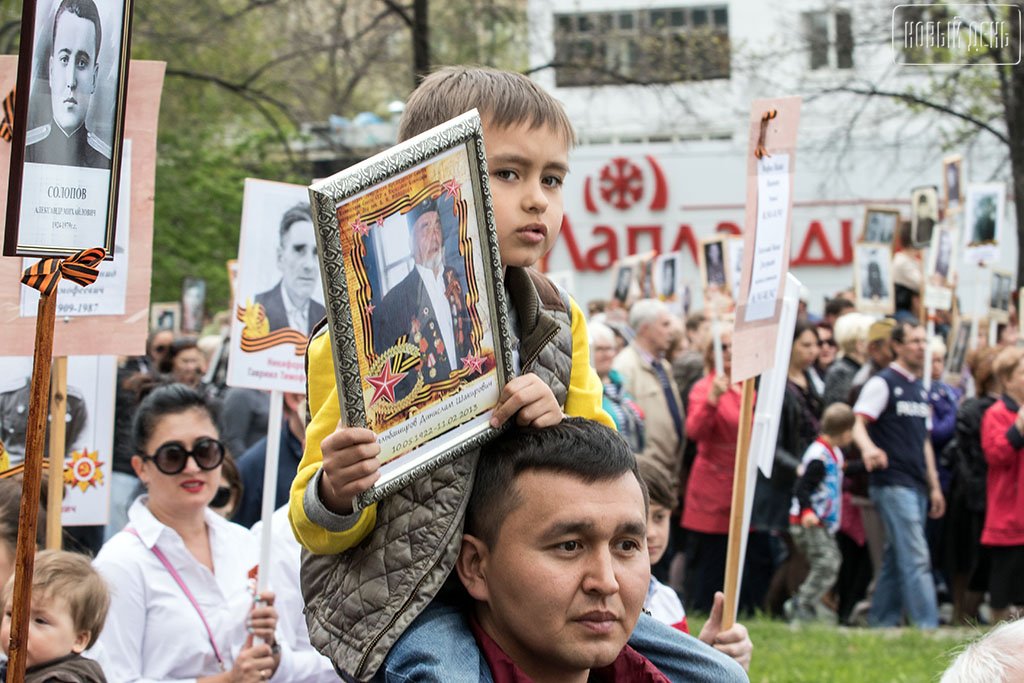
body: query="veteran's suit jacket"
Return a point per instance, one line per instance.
(406, 311)
(277, 315)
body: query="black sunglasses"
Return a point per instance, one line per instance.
(171, 457)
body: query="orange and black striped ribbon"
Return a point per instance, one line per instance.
(80, 268)
(7, 124)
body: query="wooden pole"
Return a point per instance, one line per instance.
(35, 442)
(55, 468)
(739, 496)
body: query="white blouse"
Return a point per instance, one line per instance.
(308, 665)
(152, 632)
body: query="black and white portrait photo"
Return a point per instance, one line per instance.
(924, 214)
(984, 215)
(668, 278)
(1000, 293)
(290, 302)
(623, 283)
(714, 265)
(76, 52)
(880, 225)
(66, 158)
(952, 172)
(873, 268)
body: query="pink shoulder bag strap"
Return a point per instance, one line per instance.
(188, 594)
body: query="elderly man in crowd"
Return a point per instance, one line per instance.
(648, 377)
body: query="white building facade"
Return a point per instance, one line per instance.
(661, 165)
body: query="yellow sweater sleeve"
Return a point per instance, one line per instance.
(585, 389)
(322, 397)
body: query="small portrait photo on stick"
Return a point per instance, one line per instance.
(952, 174)
(880, 225)
(1000, 293)
(873, 275)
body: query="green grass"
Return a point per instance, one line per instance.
(826, 654)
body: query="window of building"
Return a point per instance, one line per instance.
(829, 38)
(661, 45)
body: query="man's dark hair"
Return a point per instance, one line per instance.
(86, 9)
(902, 330)
(298, 213)
(837, 306)
(575, 447)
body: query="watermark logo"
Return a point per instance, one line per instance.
(956, 34)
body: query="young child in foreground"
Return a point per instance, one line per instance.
(814, 516)
(69, 606)
(662, 601)
(374, 572)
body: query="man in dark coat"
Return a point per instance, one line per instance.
(290, 303)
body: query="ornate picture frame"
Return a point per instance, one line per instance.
(66, 157)
(416, 307)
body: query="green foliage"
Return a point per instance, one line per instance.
(819, 653)
(199, 184)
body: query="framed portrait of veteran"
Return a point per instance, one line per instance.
(880, 224)
(66, 158)
(872, 264)
(416, 307)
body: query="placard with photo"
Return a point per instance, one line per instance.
(952, 182)
(165, 315)
(734, 248)
(668, 278)
(960, 343)
(940, 278)
(999, 294)
(872, 265)
(984, 217)
(66, 159)
(712, 257)
(924, 215)
(880, 225)
(415, 305)
(193, 305)
(88, 430)
(279, 290)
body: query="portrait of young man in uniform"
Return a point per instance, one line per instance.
(73, 69)
(428, 306)
(290, 303)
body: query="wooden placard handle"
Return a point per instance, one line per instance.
(55, 467)
(739, 497)
(35, 442)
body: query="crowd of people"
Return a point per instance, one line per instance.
(910, 493)
(573, 545)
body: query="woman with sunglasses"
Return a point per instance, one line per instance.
(182, 606)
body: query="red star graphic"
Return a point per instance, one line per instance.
(384, 384)
(380, 222)
(451, 188)
(370, 308)
(360, 227)
(475, 363)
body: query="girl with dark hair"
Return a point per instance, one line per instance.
(182, 605)
(184, 362)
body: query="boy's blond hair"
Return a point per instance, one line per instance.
(503, 98)
(837, 419)
(69, 577)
